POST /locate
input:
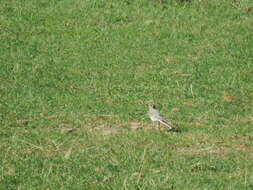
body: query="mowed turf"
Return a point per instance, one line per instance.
(76, 78)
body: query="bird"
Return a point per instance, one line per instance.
(156, 117)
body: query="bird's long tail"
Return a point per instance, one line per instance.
(165, 123)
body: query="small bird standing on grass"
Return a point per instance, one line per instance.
(156, 117)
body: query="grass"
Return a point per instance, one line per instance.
(81, 73)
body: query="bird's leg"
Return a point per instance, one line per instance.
(157, 125)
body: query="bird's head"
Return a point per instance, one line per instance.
(152, 106)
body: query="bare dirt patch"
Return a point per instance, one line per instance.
(121, 127)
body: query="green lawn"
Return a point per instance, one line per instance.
(76, 78)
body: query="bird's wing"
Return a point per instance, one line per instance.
(165, 123)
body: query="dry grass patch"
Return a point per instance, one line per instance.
(121, 127)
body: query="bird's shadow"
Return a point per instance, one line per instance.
(175, 130)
